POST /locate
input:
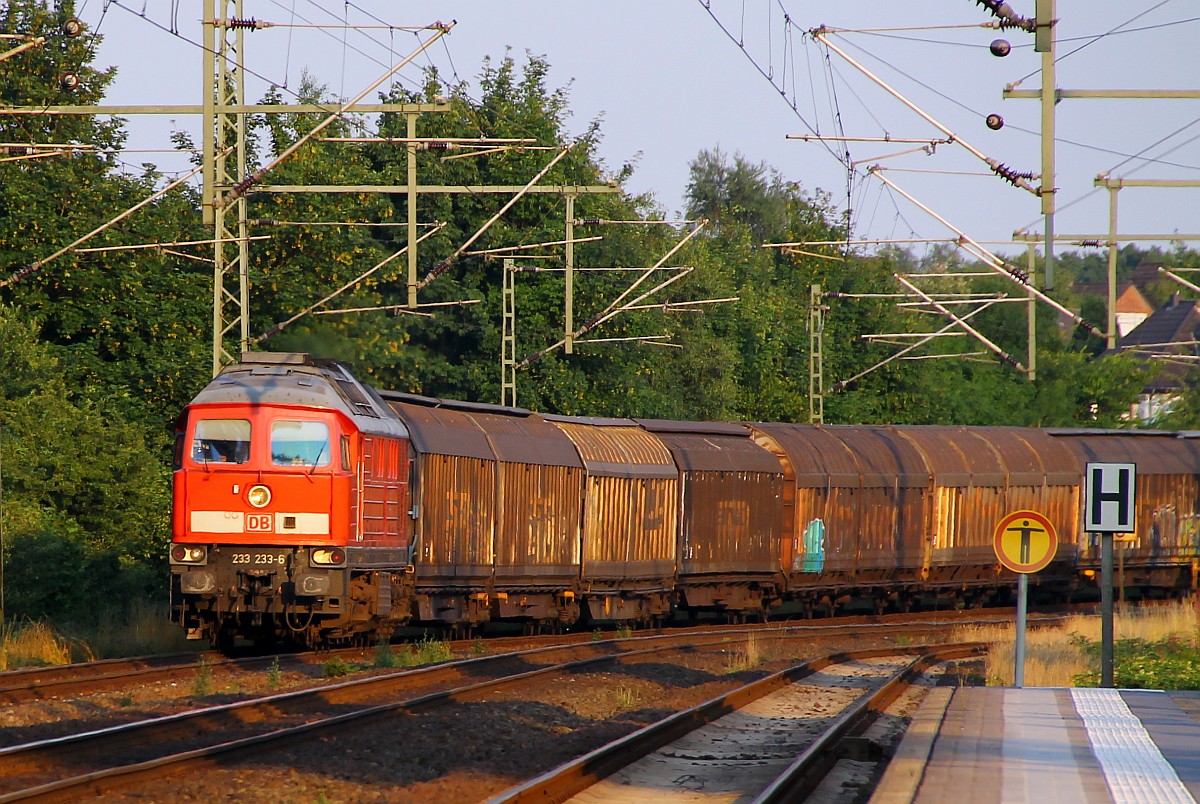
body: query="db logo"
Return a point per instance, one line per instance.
(259, 522)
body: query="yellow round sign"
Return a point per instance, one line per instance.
(1025, 541)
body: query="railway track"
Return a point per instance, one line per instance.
(61, 681)
(111, 759)
(761, 742)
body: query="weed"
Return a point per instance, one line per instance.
(141, 628)
(430, 651)
(903, 641)
(1152, 649)
(274, 677)
(627, 697)
(1170, 663)
(746, 658)
(336, 668)
(202, 682)
(597, 636)
(384, 656)
(478, 648)
(125, 700)
(624, 631)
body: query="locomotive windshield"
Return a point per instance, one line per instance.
(296, 443)
(221, 441)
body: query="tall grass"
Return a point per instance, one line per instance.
(36, 644)
(1055, 655)
(143, 628)
(746, 658)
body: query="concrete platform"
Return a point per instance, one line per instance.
(996, 745)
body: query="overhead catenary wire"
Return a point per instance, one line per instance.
(353, 282)
(979, 336)
(239, 189)
(445, 264)
(1001, 170)
(841, 384)
(992, 261)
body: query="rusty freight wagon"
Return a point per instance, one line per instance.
(977, 476)
(731, 517)
(500, 495)
(630, 518)
(1163, 555)
(856, 523)
(896, 513)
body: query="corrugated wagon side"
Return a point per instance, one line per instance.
(978, 476)
(630, 518)
(822, 484)
(454, 505)
(731, 517)
(539, 502)
(1163, 555)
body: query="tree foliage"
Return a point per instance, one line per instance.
(102, 348)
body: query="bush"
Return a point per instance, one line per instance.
(53, 575)
(336, 668)
(1164, 664)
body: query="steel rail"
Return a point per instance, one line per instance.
(573, 777)
(137, 736)
(815, 762)
(37, 683)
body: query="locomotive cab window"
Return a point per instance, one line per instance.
(296, 443)
(221, 441)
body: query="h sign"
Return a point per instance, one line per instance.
(1108, 495)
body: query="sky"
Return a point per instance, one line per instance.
(670, 78)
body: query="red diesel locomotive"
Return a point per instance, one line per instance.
(292, 512)
(311, 507)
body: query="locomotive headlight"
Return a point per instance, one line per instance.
(328, 556)
(258, 496)
(189, 554)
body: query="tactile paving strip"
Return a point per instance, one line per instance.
(1134, 768)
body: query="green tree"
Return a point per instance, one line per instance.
(85, 500)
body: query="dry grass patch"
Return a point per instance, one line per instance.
(30, 644)
(750, 656)
(1056, 655)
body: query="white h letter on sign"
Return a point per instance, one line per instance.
(1108, 494)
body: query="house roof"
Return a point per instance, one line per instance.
(1172, 329)
(1146, 274)
(1129, 298)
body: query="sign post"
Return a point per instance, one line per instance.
(1108, 508)
(1025, 542)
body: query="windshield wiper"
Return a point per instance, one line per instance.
(317, 459)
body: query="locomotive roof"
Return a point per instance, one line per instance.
(285, 378)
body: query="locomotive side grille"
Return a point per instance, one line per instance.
(355, 397)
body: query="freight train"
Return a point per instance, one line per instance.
(313, 507)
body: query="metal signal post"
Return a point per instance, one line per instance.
(1025, 542)
(1109, 506)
